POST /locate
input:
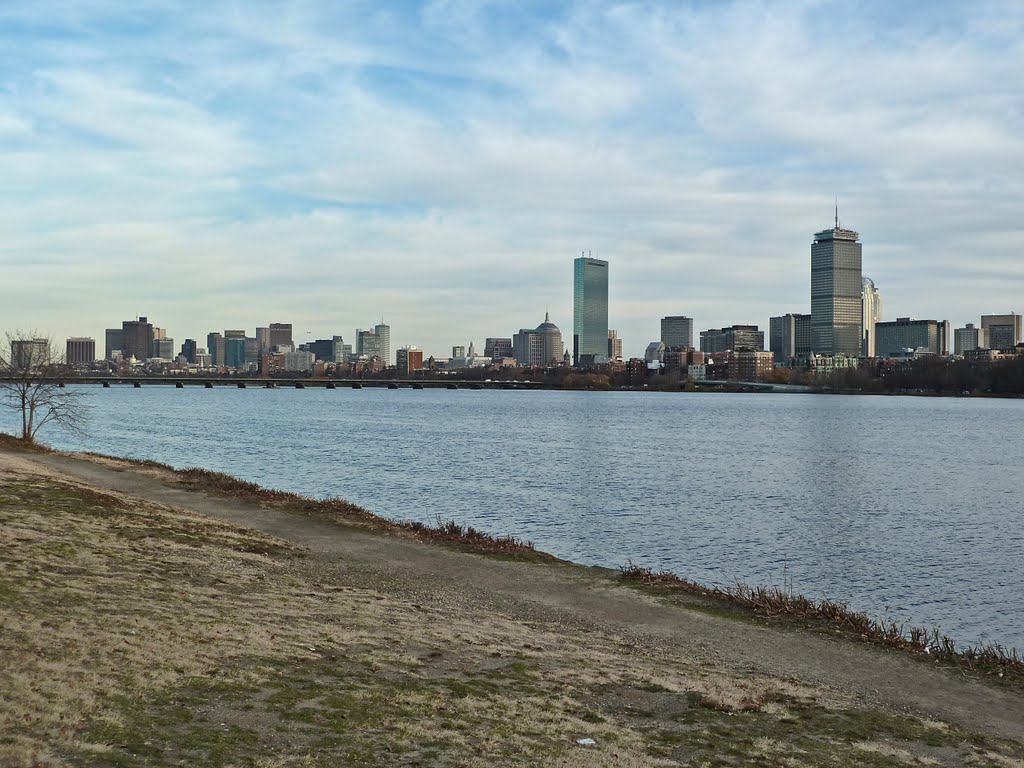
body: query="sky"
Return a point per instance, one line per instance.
(218, 165)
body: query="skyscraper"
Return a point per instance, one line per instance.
(383, 341)
(836, 310)
(871, 303)
(137, 339)
(677, 331)
(589, 310)
(114, 342)
(789, 336)
(280, 335)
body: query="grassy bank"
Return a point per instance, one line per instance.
(990, 659)
(135, 634)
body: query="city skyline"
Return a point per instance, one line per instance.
(216, 169)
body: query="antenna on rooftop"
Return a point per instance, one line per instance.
(837, 213)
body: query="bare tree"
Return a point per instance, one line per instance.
(31, 383)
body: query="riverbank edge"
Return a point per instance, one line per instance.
(779, 607)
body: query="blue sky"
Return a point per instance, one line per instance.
(222, 165)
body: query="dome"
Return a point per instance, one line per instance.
(547, 325)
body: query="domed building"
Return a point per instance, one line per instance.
(540, 346)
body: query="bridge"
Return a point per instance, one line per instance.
(245, 382)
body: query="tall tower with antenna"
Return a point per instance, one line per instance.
(836, 292)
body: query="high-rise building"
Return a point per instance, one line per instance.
(733, 337)
(114, 342)
(836, 286)
(234, 350)
(215, 348)
(968, 338)
(279, 335)
(1002, 331)
(929, 336)
(541, 346)
(138, 338)
(162, 348)
(677, 331)
(497, 348)
(871, 304)
(29, 353)
(368, 343)
(458, 350)
(589, 310)
(189, 349)
(80, 351)
(263, 339)
(614, 345)
(789, 336)
(384, 341)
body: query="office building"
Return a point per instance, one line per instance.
(1002, 331)
(297, 361)
(278, 335)
(29, 353)
(614, 345)
(789, 336)
(677, 331)
(497, 348)
(330, 350)
(734, 337)
(541, 346)
(408, 359)
(836, 286)
(234, 351)
(137, 339)
(589, 311)
(252, 351)
(968, 338)
(924, 336)
(113, 342)
(215, 348)
(80, 351)
(162, 348)
(871, 313)
(189, 349)
(384, 342)
(368, 344)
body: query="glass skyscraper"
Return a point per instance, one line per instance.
(590, 310)
(836, 288)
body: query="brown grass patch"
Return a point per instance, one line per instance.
(773, 602)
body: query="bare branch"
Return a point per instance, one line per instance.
(30, 383)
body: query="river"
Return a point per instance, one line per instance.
(907, 508)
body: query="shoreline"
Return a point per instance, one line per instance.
(767, 602)
(183, 623)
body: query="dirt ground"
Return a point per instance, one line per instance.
(145, 623)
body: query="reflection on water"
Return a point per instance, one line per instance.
(908, 506)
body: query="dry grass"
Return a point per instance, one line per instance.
(449, 531)
(136, 634)
(773, 602)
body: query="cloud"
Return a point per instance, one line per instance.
(441, 163)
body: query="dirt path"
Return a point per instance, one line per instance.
(565, 596)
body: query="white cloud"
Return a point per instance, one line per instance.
(442, 167)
